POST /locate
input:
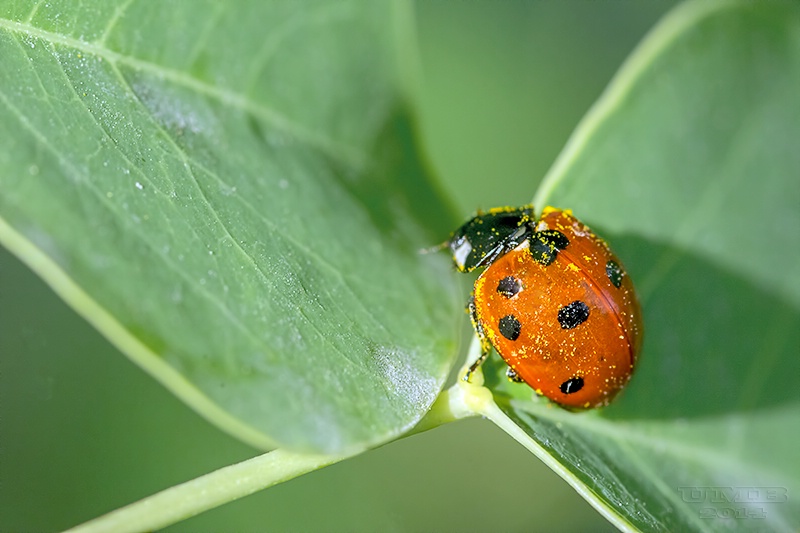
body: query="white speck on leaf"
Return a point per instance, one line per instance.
(405, 381)
(174, 109)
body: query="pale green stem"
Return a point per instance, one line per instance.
(206, 492)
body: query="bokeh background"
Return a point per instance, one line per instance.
(83, 430)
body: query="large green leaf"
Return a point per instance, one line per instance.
(230, 193)
(689, 166)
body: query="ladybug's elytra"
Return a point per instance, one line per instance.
(553, 300)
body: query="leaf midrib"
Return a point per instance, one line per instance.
(346, 154)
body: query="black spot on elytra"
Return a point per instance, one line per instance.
(509, 286)
(614, 273)
(546, 244)
(573, 314)
(572, 385)
(510, 327)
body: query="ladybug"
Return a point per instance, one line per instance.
(553, 301)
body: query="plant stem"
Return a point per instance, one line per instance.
(206, 492)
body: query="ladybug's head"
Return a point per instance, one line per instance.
(487, 236)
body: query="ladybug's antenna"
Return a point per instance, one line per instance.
(433, 249)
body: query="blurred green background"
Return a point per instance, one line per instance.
(83, 430)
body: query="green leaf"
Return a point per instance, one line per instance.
(230, 193)
(689, 166)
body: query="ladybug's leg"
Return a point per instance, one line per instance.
(513, 376)
(486, 346)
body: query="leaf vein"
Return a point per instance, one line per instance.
(112, 22)
(187, 163)
(338, 151)
(234, 320)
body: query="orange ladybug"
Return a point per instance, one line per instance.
(553, 300)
